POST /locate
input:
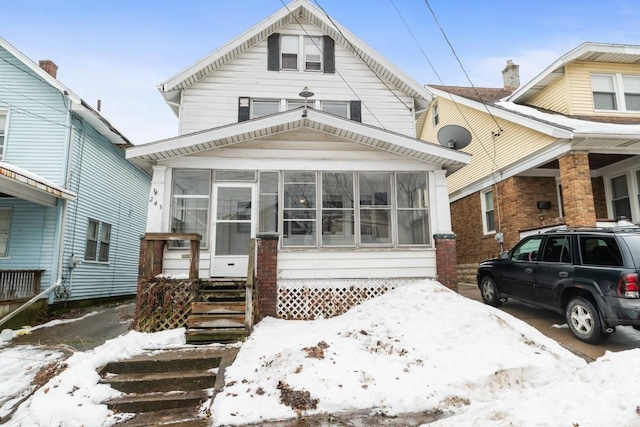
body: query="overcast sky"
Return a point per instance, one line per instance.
(118, 51)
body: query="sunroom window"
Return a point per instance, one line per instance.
(411, 190)
(299, 211)
(338, 219)
(190, 207)
(375, 208)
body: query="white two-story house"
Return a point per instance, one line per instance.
(298, 131)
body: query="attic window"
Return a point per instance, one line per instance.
(313, 53)
(289, 52)
(297, 52)
(615, 92)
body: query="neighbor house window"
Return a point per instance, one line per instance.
(620, 201)
(615, 92)
(5, 223)
(488, 214)
(411, 211)
(3, 125)
(98, 240)
(190, 204)
(436, 115)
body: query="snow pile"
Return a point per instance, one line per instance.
(74, 398)
(418, 348)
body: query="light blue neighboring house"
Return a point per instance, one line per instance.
(72, 208)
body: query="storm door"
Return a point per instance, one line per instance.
(233, 227)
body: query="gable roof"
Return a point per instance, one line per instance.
(594, 52)
(479, 94)
(146, 155)
(78, 105)
(297, 9)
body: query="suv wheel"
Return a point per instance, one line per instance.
(584, 321)
(489, 291)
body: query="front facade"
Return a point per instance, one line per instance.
(561, 150)
(72, 208)
(298, 130)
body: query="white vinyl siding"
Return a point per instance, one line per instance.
(213, 101)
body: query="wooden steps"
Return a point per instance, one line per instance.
(219, 314)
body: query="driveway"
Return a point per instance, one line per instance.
(625, 337)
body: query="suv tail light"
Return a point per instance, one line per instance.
(628, 286)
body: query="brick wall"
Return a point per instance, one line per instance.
(266, 276)
(599, 198)
(446, 260)
(515, 202)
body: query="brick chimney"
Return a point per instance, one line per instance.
(511, 76)
(49, 66)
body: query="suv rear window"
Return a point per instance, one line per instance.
(633, 242)
(600, 250)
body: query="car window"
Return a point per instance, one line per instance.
(598, 250)
(557, 249)
(527, 250)
(633, 242)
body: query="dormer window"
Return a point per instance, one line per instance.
(615, 92)
(297, 52)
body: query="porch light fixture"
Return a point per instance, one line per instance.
(306, 93)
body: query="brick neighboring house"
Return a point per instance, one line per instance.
(561, 150)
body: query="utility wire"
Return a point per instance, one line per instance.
(424, 54)
(460, 63)
(27, 112)
(357, 52)
(337, 72)
(65, 111)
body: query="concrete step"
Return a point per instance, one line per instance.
(218, 307)
(169, 418)
(149, 402)
(224, 321)
(169, 361)
(161, 382)
(215, 335)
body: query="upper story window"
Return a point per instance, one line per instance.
(264, 107)
(3, 124)
(615, 92)
(249, 108)
(300, 52)
(436, 115)
(338, 108)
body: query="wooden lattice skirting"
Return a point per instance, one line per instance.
(164, 304)
(307, 300)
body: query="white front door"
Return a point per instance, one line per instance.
(233, 227)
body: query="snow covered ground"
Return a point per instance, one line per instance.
(418, 348)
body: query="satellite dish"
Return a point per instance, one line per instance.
(454, 136)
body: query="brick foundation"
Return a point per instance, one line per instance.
(266, 276)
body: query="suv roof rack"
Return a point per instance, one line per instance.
(630, 228)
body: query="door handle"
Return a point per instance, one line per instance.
(563, 274)
(528, 270)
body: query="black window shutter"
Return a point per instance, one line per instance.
(244, 108)
(356, 110)
(273, 57)
(329, 55)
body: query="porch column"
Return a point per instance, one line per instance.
(447, 260)
(577, 194)
(439, 200)
(267, 276)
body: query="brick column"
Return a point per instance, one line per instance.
(577, 193)
(267, 276)
(447, 260)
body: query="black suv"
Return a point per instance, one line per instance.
(590, 275)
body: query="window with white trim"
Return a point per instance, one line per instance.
(338, 108)
(488, 213)
(98, 241)
(411, 211)
(289, 52)
(190, 204)
(5, 226)
(312, 53)
(3, 125)
(436, 115)
(264, 107)
(615, 92)
(620, 201)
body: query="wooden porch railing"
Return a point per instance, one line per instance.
(19, 284)
(194, 250)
